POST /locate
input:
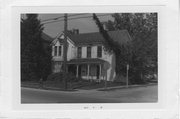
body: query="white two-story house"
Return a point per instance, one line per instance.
(86, 56)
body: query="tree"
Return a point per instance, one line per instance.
(109, 25)
(109, 44)
(33, 55)
(45, 63)
(122, 51)
(143, 30)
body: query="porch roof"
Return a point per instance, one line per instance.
(86, 61)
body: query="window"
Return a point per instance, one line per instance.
(60, 50)
(88, 52)
(55, 51)
(79, 52)
(99, 51)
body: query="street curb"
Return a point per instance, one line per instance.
(50, 88)
(58, 89)
(125, 87)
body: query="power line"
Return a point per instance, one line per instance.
(75, 18)
(52, 19)
(56, 18)
(77, 14)
(89, 16)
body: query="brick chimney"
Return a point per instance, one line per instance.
(75, 31)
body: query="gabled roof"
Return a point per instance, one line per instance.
(58, 38)
(121, 36)
(46, 37)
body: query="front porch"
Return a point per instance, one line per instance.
(89, 69)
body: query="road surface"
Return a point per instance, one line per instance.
(131, 95)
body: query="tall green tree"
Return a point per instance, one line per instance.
(33, 55)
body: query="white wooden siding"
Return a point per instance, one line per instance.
(72, 53)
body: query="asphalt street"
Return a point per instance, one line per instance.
(126, 95)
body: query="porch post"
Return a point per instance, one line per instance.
(77, 70)
(100, 71)
(88, 71)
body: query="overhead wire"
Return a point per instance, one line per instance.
(52, 19)
(56, 18)
(73, 18)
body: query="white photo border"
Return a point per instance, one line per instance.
(17, 11)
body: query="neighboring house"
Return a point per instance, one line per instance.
(86, 56)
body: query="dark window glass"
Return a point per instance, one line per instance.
(99, 51)
(88, 52)
(55, 51)
(60, 51)
(79, 52)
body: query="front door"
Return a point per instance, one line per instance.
(79, 71)
(98, 71)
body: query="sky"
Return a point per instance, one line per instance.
(85, 25)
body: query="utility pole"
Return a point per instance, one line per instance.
(106, 79)
(65, 50)
(127, 76)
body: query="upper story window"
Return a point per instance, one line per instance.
(60, 50)
(99, 51)
(79, 52)
(55, 50)
(88, 52)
